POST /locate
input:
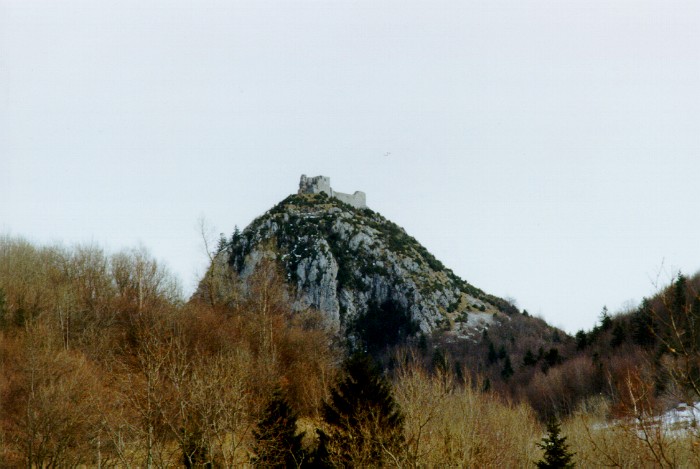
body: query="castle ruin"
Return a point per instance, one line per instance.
(318, 184)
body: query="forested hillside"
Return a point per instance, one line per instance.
(104, 363)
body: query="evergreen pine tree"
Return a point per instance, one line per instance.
(556, 338)
(556, 451)
(492, 356)
(440, 362)
(552, 357)
(643, 327)
(618, 335)
(364, 420)
(679, 295)
(276, 441)
(529, 358)
(507, 370)
(605, 319)
(422, 344)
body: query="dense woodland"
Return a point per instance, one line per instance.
(103, 363)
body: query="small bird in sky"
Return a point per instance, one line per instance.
(387, 153)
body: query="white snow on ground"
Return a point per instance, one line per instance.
(677, 422)
(680, 419)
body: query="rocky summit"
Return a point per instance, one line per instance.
(357, 267)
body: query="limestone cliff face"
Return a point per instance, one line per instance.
(350, 262)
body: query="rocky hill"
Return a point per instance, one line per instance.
(360, 269)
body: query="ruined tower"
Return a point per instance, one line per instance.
(318, 184)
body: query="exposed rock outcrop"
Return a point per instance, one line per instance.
(350, 262)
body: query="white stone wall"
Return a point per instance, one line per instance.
(357, 200)
(318, 184)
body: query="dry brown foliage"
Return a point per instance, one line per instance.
(101, 364)
(451, 424)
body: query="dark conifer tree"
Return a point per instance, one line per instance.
(605, 319)
(556, 451)
(552, 357)
(679, 295)
(440, 362)
(492, 356)
(422, 344)
(643, 326)
(365, 422)
(507, 370)
(556, 338)
(618, 335)
(529, 358)
(277, 443)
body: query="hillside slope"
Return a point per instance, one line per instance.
(356, 266)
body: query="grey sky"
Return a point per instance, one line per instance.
(544, 150)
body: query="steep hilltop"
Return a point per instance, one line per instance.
(360, 269)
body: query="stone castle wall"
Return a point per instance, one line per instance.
(318, 184)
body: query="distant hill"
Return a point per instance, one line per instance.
(380, 287)
(651, 351)
(371, 279)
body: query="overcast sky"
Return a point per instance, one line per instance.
(547, 151)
